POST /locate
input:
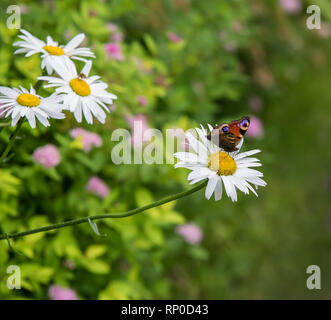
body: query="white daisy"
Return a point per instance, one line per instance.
(50, 51)
(19, 103)
(220, 168)
(81, 93)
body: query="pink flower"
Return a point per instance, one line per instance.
(97, 186)
(112, 27)
(142, 100)
(113, 51)
(56, 292)
(117, 36)
(255, 103)
(255, 129)
(140, 130)
(190, 232)
(47, 155)
(174, 37)
(291, 6)
(89, 138)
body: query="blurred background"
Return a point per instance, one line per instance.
(174, 64)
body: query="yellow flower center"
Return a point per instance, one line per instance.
(222, 163)
(28, 100)
(55, 51)
(80, 86)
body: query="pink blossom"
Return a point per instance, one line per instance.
(174, 37)
(113, 51)
(89, 138)
(117, 36)
(97, 186)
(142, 100)
(140, 130)
(56, 292)
(291, 6)
(255, 103)
(190, 232)
(112, 27)
(47, 155)
(255, 129)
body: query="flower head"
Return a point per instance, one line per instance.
(47, 155)
(291, 6)
(112, 27)
(142, 100)
(255, 128)
(117, 37)
(113, 51)
(56, 292)
(97, 186)
(89, 139)
(51, 52)
(173, 37)
(80, 93)
(231, 170)
(21, 102)
(190, 232)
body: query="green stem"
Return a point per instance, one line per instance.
(11, 140)
(38, 84)
(103, 216)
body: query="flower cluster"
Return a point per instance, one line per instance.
(80, 93)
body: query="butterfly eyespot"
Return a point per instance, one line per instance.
(244, 124)
(225, 129)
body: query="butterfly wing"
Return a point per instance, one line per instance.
(228, 135)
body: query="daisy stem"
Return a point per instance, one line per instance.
(38, 84)
(103, 216)
(11, 140)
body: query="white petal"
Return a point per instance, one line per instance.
(218, 190)
(246, 154)
(197, 146)
(211, 186)
(78, 112)
(229, 188)
(31, 118)
(8, 92)
(74, 42)
(87, 68)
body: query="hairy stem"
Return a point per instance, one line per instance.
(103, 216)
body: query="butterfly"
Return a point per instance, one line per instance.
(228, 135)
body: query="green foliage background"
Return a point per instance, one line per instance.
(256, 248)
